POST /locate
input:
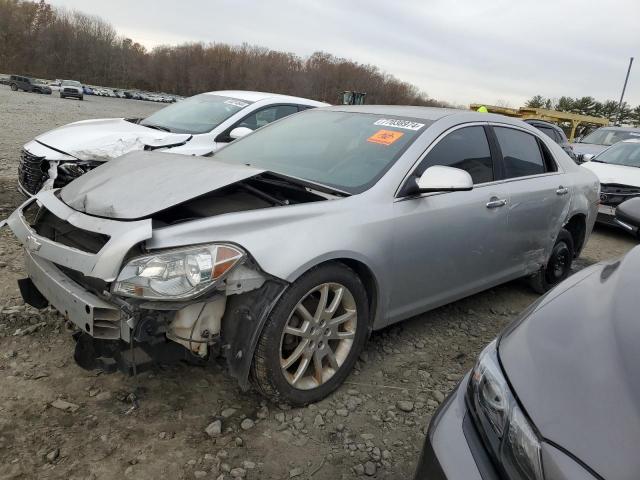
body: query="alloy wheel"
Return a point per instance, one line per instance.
(318, 336)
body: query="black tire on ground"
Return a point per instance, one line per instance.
(82, 97)
(61, 96)
(266, 372)
(14, 87)
(558, 266)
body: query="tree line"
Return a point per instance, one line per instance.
(39, 40)
(590, 106)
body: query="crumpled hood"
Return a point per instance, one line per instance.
(107, 138)
(582, 148)
(618, 174)
(140, 184)
(573, 363)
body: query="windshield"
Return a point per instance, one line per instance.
(71, 83)
(343, 150)
(606, 136)
(626, 153)
(199, 114)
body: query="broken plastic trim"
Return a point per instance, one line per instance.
(169, 145)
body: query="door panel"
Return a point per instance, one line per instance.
(536, 213)
(447, 246)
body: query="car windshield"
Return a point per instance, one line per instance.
(607, 136)
(71, 83)
(343, 150)
(623, 153)
(198, 114)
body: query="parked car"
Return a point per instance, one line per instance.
(618, 169)
(601, 138)
(628, 216)
(28, 84)
(555, 133)
(71, 89)
(555, 396)
(86, 90)
(285, 249)
(197, 126)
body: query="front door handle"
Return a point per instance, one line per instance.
(562, 190)
(496, 202)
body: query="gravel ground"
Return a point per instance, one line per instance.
(59, 421)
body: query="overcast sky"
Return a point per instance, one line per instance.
(484, 51)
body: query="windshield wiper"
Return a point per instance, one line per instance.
(157, 127)
(308, 185)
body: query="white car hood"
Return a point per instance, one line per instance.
(140, 184)
(591, 148)
(618, 174)
(107, 138)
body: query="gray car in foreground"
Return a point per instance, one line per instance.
(284, 250)
(556, 396)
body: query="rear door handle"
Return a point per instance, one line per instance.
(496, 202)
(562, 190)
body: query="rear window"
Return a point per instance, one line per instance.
(344, 150)
(520, 152)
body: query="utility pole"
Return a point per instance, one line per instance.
(626, 79)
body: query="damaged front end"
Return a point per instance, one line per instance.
(42, 168)
(132, 307)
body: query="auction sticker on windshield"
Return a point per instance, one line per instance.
(393, 122)
(385, 137)
(236, 103)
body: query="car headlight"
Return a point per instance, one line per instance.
(509, 436)
(177, 274)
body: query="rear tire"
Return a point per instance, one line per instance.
(558, 266)
(321, 344)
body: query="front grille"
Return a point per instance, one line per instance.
(71, 90)
(612, 194)
(32, 172)
(60, 231)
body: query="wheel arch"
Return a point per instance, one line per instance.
(577, 227)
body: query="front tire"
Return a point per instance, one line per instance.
(14, 87)
(558, 266)
(312, 337)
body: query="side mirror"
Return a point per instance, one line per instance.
(587, 157)
(444, 179)
(239, 132)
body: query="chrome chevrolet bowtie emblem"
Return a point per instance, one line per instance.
(33, 244)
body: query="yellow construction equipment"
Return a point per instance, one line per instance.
(553, 116)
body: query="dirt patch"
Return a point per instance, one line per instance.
(153, 426)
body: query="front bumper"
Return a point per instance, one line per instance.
(104, 264)
(87, 311)
(453, 448)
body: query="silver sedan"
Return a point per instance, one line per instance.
(287, 248)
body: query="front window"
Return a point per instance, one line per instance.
(71, 83)
(607, 136)
(198, 114)
(627, 154)
(342, 150)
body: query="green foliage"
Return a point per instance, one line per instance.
(41, 41)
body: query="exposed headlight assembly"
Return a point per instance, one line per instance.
(510, 437)
(177, 274)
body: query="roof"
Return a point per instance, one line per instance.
(250, 96)
(624, 129)
(426, 113)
